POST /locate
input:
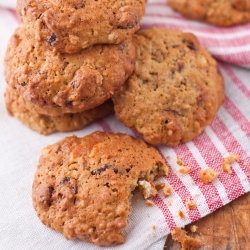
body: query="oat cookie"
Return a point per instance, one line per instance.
(68, 26)
(82, 186)
(45, 124)
(175, 90)
(220, 12)
(74, 82)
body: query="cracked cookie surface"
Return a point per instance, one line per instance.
(69, 26)
(174, 91)
(220, 12)
(46, 124)
(66, 82)
(83, 186)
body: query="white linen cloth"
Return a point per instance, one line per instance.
(20, 149)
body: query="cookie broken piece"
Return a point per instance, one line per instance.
(83, 186)
(186, 241)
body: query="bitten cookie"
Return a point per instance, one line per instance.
(69, 82)
(220, 12)
(69, 26)
(45, 124)
(175, 90)
(83, 186)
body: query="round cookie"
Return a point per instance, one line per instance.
(174, 91)
(83, 186)
(69, 26)
(220, 12)
(45, 124)
(72, 82)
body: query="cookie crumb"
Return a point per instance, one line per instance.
(226, 164)
(147, 189)
(191, 204)
(159, 185)
(193, 228)
(149, 203)
(167, 191)
(181, 214)
(153, 227)
(186, 241)
(208, 175)
(170, 202)
(184, 170)
(179, 161)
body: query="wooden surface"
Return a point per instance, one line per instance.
(228, 228)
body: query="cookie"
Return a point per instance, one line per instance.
(174, 91)
(69, 26)
(45, 124)
(72, 82)
(83, 186)
(221, 12)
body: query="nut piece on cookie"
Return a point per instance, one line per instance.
(66, 83)
(220, 12)
(83, 186)
(174, 91)
(72, 25)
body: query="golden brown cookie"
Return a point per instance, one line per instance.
(220, 12)
(175, 90)
(45, 124)
(68, 26)
(72, 82)
(83, 186)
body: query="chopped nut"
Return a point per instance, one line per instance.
(147, 189)
(193, 228)
(184, 170)
(181, 214)
(149, 203)
(226, 164)
(190, 205)
(159, 185)
(187, 242)
(167, 191)
(207, 175)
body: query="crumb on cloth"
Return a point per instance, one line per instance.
(227, 161)
(167, 191)
(181, 214)
(149, 203)
(147, 189)
(159, 185)
(187, 242)
(208, 175)
(191, 204)
(184, 170)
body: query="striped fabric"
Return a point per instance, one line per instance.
(229, 132)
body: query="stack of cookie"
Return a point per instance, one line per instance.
(67, 59)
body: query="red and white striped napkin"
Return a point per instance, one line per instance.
(148, 226)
